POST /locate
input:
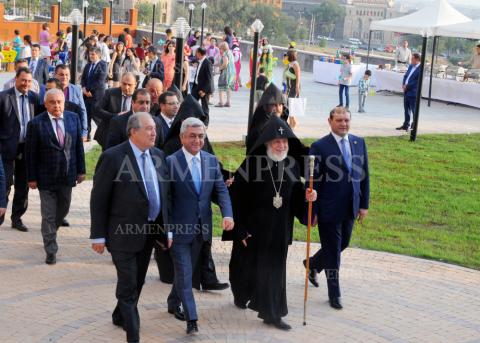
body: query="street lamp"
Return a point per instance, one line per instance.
(76, 18)
(111, 17)
(256, 27)
(191, 7)
(59, 13)
(153, 20)
(85, 6)
(180, 30)
(204, 7)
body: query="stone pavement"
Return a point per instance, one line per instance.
(387, 297)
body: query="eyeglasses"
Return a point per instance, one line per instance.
(172, 103)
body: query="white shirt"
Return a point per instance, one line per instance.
(168, 120)
(347, 142)
(189, 157)
(403, 55)
(68, 39)
(54, 124)
(105, 52)
(128, 99)
(20, 116)
(414, 67)
(198, 69)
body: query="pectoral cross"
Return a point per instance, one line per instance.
(281, 129)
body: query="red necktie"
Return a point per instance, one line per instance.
(60, 135)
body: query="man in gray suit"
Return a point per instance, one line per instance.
(196, 179)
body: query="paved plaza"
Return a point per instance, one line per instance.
(386, 297)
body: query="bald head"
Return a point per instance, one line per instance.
(155, 88)
(129, 83)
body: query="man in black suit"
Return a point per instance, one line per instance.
(115, 102)
(117, 131)
(154, 69)
(93, 83)
(128, 207)
(169, 106)
(203, 83)
(18, 105)
(38, 66)
(54, 138)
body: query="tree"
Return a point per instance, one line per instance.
(327, 15)
(145, 12)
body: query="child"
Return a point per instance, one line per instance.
(262, 83)
(363, 86)
(344, 80)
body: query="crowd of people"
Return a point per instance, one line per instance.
(158, 175)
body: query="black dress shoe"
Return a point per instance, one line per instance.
(219, 286)
(51, 259)
(278, 323)
(119, 323)
(177, 312)
(17, 224)
(65, 222)
(403, 127)
(192, 327)
(239, 304)
(312, 275)
(336, 303)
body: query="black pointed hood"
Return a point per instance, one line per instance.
(174, 89)
(274, 128)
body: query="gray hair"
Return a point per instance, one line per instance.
(135, 121)
(191, 122)
(53, 91)
(129, 75)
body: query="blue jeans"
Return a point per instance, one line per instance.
(347, 97)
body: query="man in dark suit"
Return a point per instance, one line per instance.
(196, 179)
(3, 196)
(128, 207)
(410, 87)
(203, 82)
(154, 68)
(93, 83)
(169, 106)
(117, 132)
(55, 164)
(18, 105)
(115, 102)
(38, 66)
(341, 180)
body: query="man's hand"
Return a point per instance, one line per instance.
(228, 182)
(245, 240)
(227, 224)
(311, 195)
(98, 247)
(32, 184)
(2, 211)
(80, 178)
(362, 213)
(404, 87)
(201, 93)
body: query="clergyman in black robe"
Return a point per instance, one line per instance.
(266, 196)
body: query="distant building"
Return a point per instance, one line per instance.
(121, 10)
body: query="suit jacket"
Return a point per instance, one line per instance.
(49, 164)
(75, 96)
(340, 194)
(41, 71)
(205, 79)
(119, 203)
(192, 212)
(95, 83)
(412, 85)
(117, 132)
(158, 72)
(164, 125)
(3, 186)
(107, 107)
(10, 122)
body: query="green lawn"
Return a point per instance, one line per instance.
(425, 196)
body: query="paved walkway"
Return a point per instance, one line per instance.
(387, 297)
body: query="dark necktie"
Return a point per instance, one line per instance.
(60, 134)
(125, 103)
(24, 115)
(92, 68)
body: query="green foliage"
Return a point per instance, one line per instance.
(327, 14)
(145, 12)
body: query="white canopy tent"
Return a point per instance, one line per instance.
(469, 29)
(424, 22)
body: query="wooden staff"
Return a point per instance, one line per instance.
(309, 224)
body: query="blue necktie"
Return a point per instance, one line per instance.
(196, 178)
(33, 65)
(153, 201)
(92, 68)
(346, 154)
(24, 116)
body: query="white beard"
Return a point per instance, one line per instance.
(276, 157)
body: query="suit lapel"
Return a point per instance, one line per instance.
(203, 162)
(31, 105)
(13, 99)
(47, 125)
(137, 177)
(337, 149)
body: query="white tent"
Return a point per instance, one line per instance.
(469, 29)
(424, 22)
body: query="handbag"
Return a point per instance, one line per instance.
(297, 106)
